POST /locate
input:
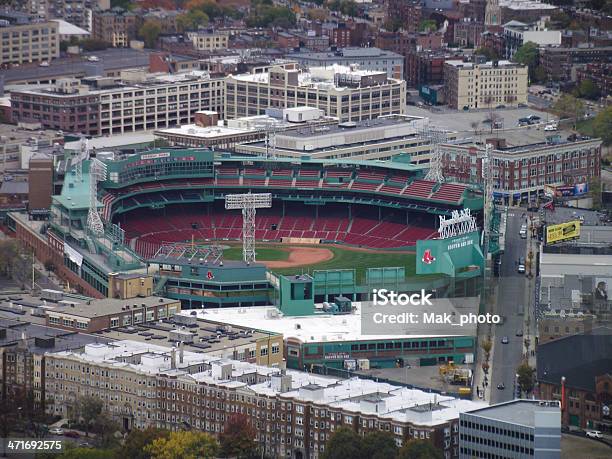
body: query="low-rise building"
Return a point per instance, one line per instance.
(373, 59)
(116, 27)
(522, 171)
(379, 139)
(484, 85)
(294, 413)
(516, 34)
(208, 40)
(341, 92)
(519, 428)
(560, 64)
(576, 370)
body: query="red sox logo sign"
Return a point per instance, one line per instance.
(210, 275)
(428, 258)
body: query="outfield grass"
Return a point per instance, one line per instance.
(343, 259)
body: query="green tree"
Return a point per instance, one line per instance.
(85, 453)
(488, 52)
(93, 44)
(87, 409)
(149, 32)
(189, 444)
(344, 443)
(134, 445)
(528, 55)
(419, 449)
(568, 106)
(588, 89)
(379, 445)
(539, 74)
(602, 125)
(526, 377)
(595, 189)
(192, 20)
(428, 25)
(238, 438)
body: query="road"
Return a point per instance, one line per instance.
(512, 292)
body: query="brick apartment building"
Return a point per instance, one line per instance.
(116, 26)
(426, 67)
(560, 63)
(293, 413)
(409, 12)
(523, 171)
(600, 73)
(40, 173)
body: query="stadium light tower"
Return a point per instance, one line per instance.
(248, 203)
(97, 173)
(436, 136)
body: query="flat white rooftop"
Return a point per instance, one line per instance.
(210, 132)
(315, 328)
(355, 395)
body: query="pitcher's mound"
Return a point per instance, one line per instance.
(301, 256)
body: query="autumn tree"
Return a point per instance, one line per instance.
(189, 444)
(568, 106)
(488, 52)
(526, 377)
(135, 443)
(192, 20)
(238, 437)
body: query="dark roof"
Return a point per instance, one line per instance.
(580, 358)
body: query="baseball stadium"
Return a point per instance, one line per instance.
(228, 233)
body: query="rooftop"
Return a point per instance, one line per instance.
(485, 65)
(65, 28)
(520, 5)
(345, 54)
(522, 412)
(320, 327)
(102, 307)
(41, 339)
(354, 395)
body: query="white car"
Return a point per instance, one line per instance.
(56, 431)
(550, 127)
(43, 64)
(594, 434)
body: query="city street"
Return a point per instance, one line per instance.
(512, 297)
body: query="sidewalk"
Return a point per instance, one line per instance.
(483, 334)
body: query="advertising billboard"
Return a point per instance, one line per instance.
(562, 232)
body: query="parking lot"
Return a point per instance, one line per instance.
(461, 121)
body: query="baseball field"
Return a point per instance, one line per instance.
(297, 259)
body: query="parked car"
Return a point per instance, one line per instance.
(522, 105)
(521, 266)
(519, 333)
(534, 118)
(72, 434)
(501, 106)
(504, 340)
(594, 434)
(56, 431)
(43, 64)
(550, 127)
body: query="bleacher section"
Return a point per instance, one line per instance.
(147, 234)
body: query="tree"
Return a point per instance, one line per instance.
(588, 89)
(87, 409)
(189, 444)
(15, 262)
(595, 189)
(539, 74)
(528, 55)
(192, 20)
(344, 443)
(488, 52)
(135, 442)
(602, 125)
(419, 449)
(93, 44)
(238, 437)
(428, 25)
(526, 377)
(568, 106)
(379, 445)
(149, 32)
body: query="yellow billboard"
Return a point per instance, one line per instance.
(562, 232)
